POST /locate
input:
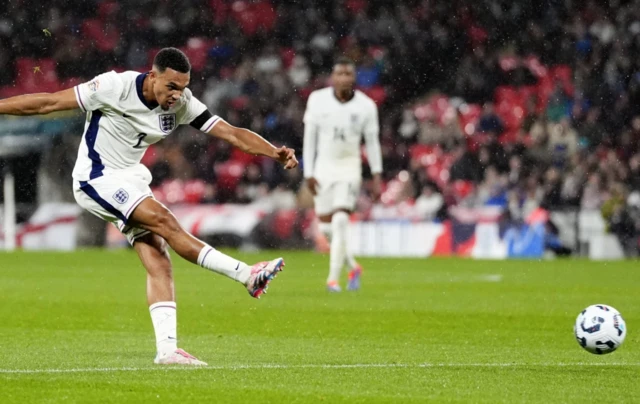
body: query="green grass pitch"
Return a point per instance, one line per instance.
(74, 327)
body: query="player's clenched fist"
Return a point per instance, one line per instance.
(287, 157)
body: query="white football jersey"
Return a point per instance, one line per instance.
(121, 124)
(333, 134)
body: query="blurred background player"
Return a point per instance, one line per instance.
(127, 112)
(336, 119)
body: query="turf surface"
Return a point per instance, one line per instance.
(75, 328)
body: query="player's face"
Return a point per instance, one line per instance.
(343, 77)
(168, 86)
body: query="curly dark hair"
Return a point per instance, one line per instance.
(172, 58)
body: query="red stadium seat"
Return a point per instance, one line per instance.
(10, 91)
(355, 6)
(239, 103)
(105, 38)
(304, 93)
(150, 156)
(377, 93)
(511, 113)
(194, 191)
(283, 223)
(108, 8)
(477, 34)
(220, 11)
(197, 51)
(425, 154)
(461, 189)
(177, 191)
(468, 116)
(448, 160)
(562, 73)
(25, 69)
(254, 16)
(433, 170)
(506, 93)
(173, 191)
(536, 67)
(239, 156)
(159, 195)
(527, 92)
(287, 55)
(474, 142)
(36, 75)
(229, 174)
(509, 136)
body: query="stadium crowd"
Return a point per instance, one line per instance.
(488, 102)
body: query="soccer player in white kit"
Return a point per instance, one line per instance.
(336, 120)
(126, 112)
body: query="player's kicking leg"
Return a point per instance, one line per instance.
(151, 215)
(113, 198)
(152, 250)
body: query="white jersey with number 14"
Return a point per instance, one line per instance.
(333, 133)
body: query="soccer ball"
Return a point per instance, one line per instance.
(600, 329)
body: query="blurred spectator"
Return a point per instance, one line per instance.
(592, 130)
(251, 187)
(299, 72)
(409, 126)
(563, 141)
(429, 203)
(552, 190)
(490, 122)
(558, 106)
(593, 194)
(368, 74)
(465, 166)
(492, 191)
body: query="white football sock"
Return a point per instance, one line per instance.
(339, 227)
(325, 228)
(163, 317)
(215, 261)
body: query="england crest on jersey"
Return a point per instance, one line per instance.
(121, 196)
(167, 122)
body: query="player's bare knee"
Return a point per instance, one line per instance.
(166, 224)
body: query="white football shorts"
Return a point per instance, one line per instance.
(114, 196)
(338, 195)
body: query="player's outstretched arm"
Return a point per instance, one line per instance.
(252, 143)
(39, 103)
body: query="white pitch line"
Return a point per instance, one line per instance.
(491, 278)
(318, 366)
